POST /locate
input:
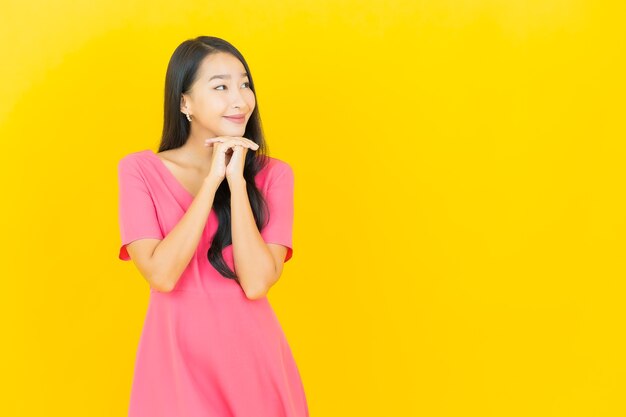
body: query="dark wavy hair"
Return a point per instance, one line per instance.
(182, 71)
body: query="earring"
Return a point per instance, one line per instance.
(188, 116)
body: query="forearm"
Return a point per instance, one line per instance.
(173, 253)
(253, 260)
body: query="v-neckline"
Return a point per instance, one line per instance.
(171, 175)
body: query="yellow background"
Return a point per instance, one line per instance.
(460, 210)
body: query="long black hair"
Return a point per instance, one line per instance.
(182, 71)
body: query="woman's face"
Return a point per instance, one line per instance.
(221, 89)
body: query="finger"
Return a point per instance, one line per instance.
(253, 144)
(249, 143)
(211, 141)
(235, 141)
(224, 147)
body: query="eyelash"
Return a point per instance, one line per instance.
(222, 85)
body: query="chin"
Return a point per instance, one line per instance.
(235, 131)
(229, 130)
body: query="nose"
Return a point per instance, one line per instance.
(238, 101)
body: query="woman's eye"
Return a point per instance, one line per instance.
(246, 83)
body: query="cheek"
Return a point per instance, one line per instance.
(213, 106)
(251, 100)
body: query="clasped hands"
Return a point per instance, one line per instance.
(229, 157)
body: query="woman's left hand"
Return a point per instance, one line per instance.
(234, 169)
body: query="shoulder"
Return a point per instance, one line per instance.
(277, 167)
(132, 161)
(274, 172)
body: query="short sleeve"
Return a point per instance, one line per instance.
(137, 212)
(280, 203)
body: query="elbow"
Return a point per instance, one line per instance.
(161, 287)
(160, 284)
(257, 296)
(261, 290)
(162, 278)
(256, 293)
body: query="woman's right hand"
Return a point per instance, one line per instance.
(222, 151)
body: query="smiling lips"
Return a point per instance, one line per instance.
(239, 118)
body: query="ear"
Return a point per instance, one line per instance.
(183, 104)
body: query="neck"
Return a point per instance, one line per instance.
(195, 152)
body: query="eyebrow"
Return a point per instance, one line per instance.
(243, 74)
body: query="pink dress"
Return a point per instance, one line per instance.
(206, 350)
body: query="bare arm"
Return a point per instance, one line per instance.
(162, 262)
(258, 265)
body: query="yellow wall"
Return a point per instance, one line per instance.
(460, 210)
